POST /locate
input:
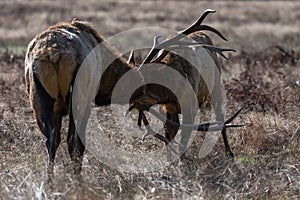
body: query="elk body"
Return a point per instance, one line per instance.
(161, 95)
(52, 60)
(167, 99)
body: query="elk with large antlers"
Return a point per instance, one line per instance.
(156, 94)
(52, 61)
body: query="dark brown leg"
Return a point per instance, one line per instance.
(171, 131)
(76, 146)
(48, 122)
(217, 102)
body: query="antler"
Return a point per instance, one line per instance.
(211, 126)
(150, 131)
(196, 26)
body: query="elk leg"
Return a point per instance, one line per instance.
(226, 123)
(220, 117)
(55, 136)
(48, 122)
(217, 104)
(75, 145)
(186, 134)
(185, 137)
(53, 140)
(170, 130)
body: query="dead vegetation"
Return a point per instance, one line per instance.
(268, 80)
(267, 154)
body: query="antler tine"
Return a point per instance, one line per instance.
(212, 29)
(154, 50)
(131, 107)
(218, 49)
(150, 131)
(131, 58)
(233, 116)
(193, 28)
(160, 57)
(226, 123)
(219, 127)
(155, 41)
(211, 126)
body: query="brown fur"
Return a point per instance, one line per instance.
(186, 69)
(54, 56)
(169, 101)
(52, 59)
(55, 59)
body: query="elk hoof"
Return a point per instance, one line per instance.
(230, 155)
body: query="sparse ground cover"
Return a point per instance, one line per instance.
(263, 76)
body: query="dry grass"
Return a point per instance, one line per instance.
(265, 80)
(266, 149)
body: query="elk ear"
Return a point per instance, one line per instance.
(131, 59)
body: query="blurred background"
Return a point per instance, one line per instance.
(247, 24)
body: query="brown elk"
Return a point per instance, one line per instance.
(52, 61)
(167, 99)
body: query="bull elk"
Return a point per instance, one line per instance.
(157, 94)
(52, 60)
(53, 57)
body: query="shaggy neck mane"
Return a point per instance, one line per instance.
(120, 64)
(85, 26)
(115, 70)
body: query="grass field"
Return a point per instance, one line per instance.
(263, 76)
